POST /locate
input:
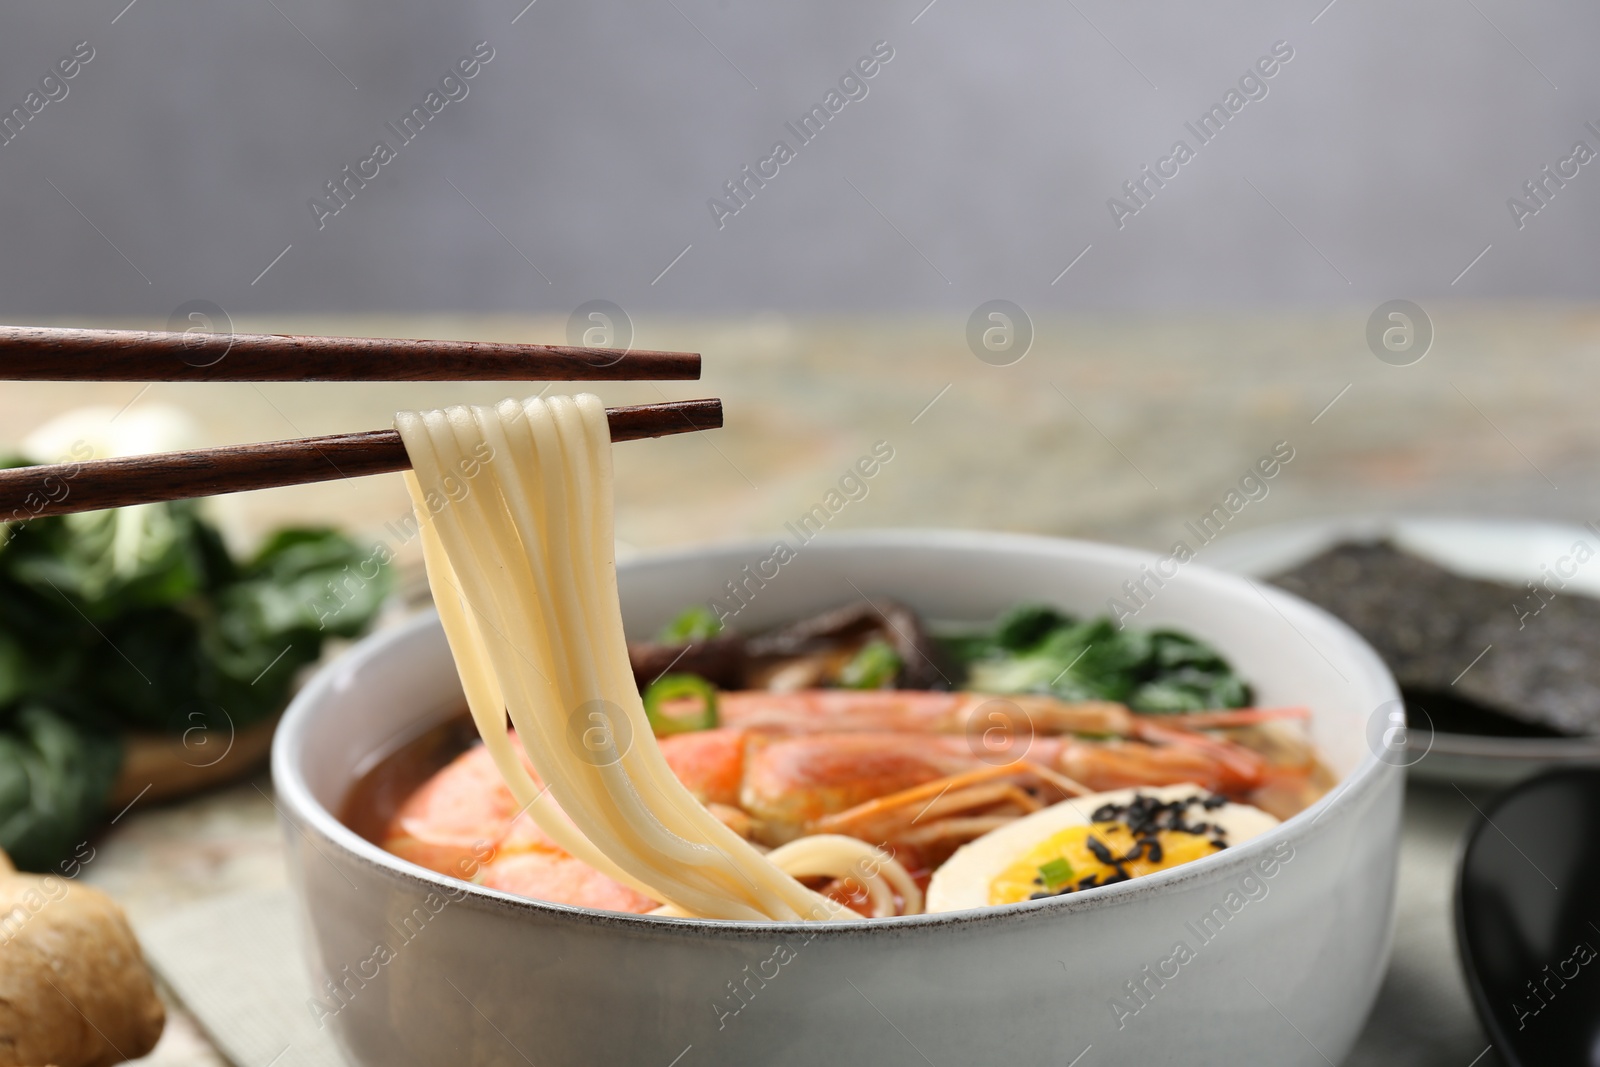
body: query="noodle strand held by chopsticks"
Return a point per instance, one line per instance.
(515, 506)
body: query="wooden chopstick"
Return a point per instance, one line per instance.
(63, 488)
(35, 354)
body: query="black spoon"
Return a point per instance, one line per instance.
(1528, 920)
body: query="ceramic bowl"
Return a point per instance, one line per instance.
(1268, 952)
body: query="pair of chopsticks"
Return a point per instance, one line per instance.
(35, 354)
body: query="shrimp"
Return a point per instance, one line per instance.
(920, 771)
(917, 711)
(795, 785)
(870, 747)
(982, 715)
(465, 822)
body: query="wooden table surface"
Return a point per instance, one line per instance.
(1116, 428)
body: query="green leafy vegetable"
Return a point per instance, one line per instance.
(875, 666)
(696, 623)
(1036, 649)
(1055, 874)
(1026, 625)
(672, 689)
(54, 779)
(140, 618)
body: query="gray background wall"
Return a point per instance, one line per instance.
(1378, 165)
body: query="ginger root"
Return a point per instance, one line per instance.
(74, 989)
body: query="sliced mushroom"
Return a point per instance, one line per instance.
(719, 660)
(813, 650)
(807, 654)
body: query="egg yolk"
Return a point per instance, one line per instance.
(1072, 860)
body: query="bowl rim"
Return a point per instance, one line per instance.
(303, 810)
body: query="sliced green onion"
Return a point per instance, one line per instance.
(680, 688)
(874, 667)
(1055, 874)
(695, 623)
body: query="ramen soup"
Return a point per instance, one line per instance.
(861, 763)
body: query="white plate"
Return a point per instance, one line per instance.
(1500, 550)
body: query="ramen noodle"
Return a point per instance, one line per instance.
(515, 507)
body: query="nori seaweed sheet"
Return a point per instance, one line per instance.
(1428, 623)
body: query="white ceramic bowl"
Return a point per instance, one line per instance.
(1283, 939)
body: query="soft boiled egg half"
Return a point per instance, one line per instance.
(1090, 841)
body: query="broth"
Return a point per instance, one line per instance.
(379, 791)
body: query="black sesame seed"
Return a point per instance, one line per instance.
(1218, 843)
